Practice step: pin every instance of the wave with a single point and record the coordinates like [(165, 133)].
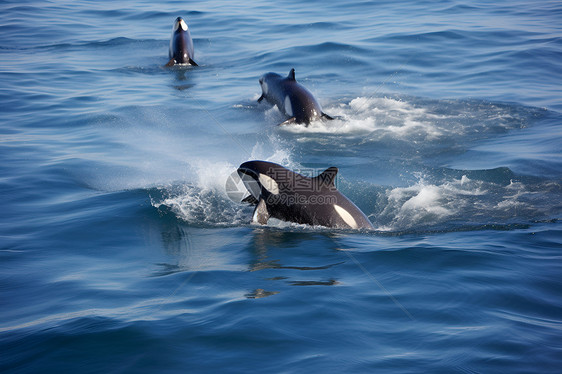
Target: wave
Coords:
[(465, 202), (452, 204), (185, 167), (208, 199), (114, 42), (417, 119)]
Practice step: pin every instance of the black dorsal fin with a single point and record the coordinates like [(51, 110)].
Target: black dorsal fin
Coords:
[(327, 177), (291, 75)]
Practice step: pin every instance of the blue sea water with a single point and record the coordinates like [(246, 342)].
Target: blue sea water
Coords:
[(121, 251)]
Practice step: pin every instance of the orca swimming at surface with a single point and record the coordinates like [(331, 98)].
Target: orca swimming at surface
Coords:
[(181, 45), (291, 97), (283, 194)]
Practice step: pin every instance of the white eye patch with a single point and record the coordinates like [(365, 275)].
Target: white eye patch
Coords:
[(288, 106), (181, 24), (347, 218), (269, 184)]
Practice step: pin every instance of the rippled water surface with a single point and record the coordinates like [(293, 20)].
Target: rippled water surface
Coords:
[(121, 251)]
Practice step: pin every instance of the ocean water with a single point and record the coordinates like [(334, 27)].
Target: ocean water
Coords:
[(121, 251)]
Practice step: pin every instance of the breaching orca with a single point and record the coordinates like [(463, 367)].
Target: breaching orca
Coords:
[(283, 194), (181, 45), (291, 98)]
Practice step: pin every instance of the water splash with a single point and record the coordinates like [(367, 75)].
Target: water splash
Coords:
[(416, 119), (463, 202)]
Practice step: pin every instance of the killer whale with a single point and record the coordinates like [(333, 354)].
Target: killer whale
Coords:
[(291, 97), (283, 194), (181, 45)]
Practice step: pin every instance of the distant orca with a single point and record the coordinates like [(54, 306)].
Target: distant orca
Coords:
[(283, 194), (291, 98), (181, 45)]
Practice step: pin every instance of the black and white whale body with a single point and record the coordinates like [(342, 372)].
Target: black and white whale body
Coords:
[(181, 45), (292, 98), (283, 194)]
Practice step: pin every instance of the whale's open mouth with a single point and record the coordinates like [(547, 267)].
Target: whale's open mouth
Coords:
[(251, 181)]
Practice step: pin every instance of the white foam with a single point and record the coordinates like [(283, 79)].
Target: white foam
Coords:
[(274, 115), (205, 199), (427, 204), (379, 116), (275, 149), (200, 206), (211, 174), (411, 119), (463, 200)]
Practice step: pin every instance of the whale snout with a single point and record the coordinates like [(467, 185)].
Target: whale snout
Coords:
[(180, 23), (242, 172)]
